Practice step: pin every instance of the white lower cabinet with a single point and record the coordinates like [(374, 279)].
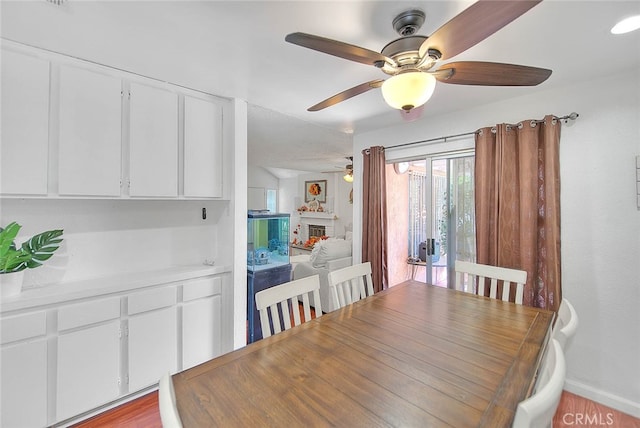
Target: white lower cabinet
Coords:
[(152, 337), (201, 321), (88, 357), (63, 361), (23, 365)]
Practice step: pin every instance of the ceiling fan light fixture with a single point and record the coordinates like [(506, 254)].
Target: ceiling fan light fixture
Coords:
[(408, 90), (348, 176), (627, 25)]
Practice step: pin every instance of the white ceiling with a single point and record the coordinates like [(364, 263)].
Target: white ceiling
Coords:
[(237, 49)]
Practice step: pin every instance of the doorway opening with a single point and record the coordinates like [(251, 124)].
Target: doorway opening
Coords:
[(436, 197)]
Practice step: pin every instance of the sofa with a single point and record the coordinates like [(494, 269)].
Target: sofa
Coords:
[(326, 257)]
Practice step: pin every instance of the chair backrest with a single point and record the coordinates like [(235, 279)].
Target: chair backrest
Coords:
[(477, 273), (167, 403), (566, 324), (350, 284), (282, 301), (539, 409)]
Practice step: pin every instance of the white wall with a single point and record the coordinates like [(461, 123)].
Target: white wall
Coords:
[(600, 220), (260, 177), (287, 193), (337, 198), (106, 237), (258, 181), (234, 232)]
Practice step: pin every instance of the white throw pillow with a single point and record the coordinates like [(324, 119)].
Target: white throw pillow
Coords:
[(315, 251), (329, 249)]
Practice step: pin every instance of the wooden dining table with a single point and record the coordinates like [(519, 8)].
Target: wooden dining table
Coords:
[(414, 355)]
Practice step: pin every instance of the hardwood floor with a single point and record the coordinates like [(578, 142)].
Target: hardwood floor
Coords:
[(574, 411), (139, 413)]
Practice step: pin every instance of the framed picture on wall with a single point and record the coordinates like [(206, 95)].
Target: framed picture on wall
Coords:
[(316, 189)]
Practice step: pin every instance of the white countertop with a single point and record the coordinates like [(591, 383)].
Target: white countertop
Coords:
[(68, 292)]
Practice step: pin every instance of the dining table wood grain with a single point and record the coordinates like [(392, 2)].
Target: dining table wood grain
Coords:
[(414, 355)]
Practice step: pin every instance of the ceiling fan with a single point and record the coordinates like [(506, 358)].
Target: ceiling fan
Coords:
[(347, 170), (410, 59)]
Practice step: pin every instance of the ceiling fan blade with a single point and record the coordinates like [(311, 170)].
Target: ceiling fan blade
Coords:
[(345, 95), (491, 74), (339, 49), (473, 25)]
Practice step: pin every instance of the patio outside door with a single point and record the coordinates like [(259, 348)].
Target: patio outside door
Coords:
[(441, 216)]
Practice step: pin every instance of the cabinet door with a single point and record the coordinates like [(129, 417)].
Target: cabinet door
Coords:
[(88, 369), (202, 148), (90, 133), (153, 347), (24, 385), (23, 370), (88, 363), (25, 124), (201, 321), (201, 327), (153, 161)]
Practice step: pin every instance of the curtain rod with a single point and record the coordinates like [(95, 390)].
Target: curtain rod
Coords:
[(571, 116)]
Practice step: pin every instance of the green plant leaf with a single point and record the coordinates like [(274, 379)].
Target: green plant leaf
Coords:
[(15, 261), (31, 254), (41, 247), (7, 236), (11, 259)]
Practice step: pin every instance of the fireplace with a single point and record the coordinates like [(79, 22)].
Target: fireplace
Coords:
[(317, 230), (316, 224)]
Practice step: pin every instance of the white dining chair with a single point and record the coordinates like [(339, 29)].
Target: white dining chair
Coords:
[(350, 284), (477, 273), (283, 300), (538, 410), (167, 403), (566, 324)]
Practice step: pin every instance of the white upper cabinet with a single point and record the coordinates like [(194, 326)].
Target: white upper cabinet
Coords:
[(202, 148), (153, 142), (25, 124), (76, 129), (90, 133)]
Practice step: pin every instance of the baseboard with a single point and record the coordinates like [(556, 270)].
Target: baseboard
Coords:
[(101, 409), (610, 400)]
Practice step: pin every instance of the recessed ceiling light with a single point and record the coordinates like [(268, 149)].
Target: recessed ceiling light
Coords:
[(627, 25)]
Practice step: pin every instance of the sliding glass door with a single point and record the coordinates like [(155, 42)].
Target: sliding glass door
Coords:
[(441, 216)]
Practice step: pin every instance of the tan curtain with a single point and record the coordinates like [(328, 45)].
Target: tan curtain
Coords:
[(374, 216), (517, 177)]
